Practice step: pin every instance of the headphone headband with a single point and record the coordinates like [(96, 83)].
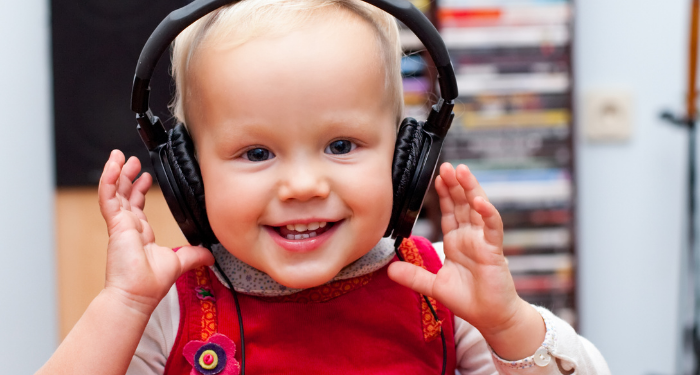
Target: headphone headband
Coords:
[(416, 153), (180, 19)]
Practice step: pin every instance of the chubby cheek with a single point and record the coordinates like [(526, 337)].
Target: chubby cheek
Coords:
[(370, 199), (234, 205), (373, 202)]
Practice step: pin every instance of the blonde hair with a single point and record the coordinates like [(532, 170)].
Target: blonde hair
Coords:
[(238, 23)]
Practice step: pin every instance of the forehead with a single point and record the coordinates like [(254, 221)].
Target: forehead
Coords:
[(330, 66)]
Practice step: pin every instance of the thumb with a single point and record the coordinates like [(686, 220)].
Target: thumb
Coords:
[(413, 277), (192, 257)]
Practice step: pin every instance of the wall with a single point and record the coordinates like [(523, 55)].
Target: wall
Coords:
[(81, 244), (631, 195), (28, 313)]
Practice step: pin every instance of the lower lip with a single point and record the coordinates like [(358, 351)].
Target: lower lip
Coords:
[(303, 245)]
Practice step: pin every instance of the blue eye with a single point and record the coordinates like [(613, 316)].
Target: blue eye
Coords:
[(341, 146), (258, 154)]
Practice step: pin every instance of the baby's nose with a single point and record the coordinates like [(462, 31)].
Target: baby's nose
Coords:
[(304, 182)]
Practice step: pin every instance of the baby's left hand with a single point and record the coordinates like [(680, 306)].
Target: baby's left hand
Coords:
[(474, 283)]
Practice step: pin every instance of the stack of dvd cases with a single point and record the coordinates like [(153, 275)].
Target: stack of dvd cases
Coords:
[(417, 81), (513, 128)]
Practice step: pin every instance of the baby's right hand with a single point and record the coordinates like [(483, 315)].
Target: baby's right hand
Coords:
[(139, 272)]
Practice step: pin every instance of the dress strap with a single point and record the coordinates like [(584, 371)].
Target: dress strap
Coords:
[(414, 250), (198, 316), (207, 302)]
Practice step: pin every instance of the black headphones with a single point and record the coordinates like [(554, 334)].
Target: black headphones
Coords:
[(416, 154)]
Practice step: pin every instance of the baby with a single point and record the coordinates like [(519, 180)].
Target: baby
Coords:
[(293, 107)]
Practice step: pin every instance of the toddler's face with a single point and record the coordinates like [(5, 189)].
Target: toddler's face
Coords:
[(295, 137)]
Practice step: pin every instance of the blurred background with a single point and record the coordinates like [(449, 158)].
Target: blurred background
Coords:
[(558, 117)]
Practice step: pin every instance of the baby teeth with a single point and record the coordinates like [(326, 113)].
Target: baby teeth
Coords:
[(306, 227), (301, 236)]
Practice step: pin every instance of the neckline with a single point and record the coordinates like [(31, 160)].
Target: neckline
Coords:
[(249, 280)]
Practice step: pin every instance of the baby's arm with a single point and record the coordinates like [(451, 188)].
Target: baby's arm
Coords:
[(475, 282), (139, 274)]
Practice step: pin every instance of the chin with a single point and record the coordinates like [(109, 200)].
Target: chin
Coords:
[(304, 279)]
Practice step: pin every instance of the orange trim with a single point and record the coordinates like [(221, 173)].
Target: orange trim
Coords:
[(327, 292), (208, 307), (431, 327)]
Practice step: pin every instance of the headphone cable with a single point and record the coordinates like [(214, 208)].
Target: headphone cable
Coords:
[(238, 312), (397, 244)]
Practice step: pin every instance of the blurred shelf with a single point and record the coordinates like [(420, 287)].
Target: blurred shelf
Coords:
[(514, 126)]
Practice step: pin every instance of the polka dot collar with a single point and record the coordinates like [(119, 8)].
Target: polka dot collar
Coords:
[(249, 280)]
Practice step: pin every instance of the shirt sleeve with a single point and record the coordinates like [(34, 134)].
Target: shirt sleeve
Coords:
[(472, 352), (158, 339), (562, 352)]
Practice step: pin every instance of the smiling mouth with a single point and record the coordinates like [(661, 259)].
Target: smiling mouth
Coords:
[(303, 231)]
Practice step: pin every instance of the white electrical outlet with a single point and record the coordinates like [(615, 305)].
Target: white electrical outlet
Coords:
[(607, 115)]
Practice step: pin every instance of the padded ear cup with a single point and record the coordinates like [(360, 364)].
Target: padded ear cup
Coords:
[(181, 156), (409, 142)]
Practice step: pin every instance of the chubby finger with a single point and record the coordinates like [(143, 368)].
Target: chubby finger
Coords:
[(468, 181), (449, 177), (115, 158), (107, 190), (138, 194), (493, 224), (192, 257), (472, 189), (447, 206), (130, 170), (412, 277), (462, 211)]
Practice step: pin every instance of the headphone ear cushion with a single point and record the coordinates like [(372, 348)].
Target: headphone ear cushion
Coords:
[(409, 142), (181, 155)]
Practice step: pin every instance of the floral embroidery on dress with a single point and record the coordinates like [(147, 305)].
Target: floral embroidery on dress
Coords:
[(204, 293), (215, 356)]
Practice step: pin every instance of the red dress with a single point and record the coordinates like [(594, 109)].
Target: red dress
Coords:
[(364, 325)]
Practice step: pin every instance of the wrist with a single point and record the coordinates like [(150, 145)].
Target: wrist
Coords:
[(519, 336), (104, 339), (128, 303)]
